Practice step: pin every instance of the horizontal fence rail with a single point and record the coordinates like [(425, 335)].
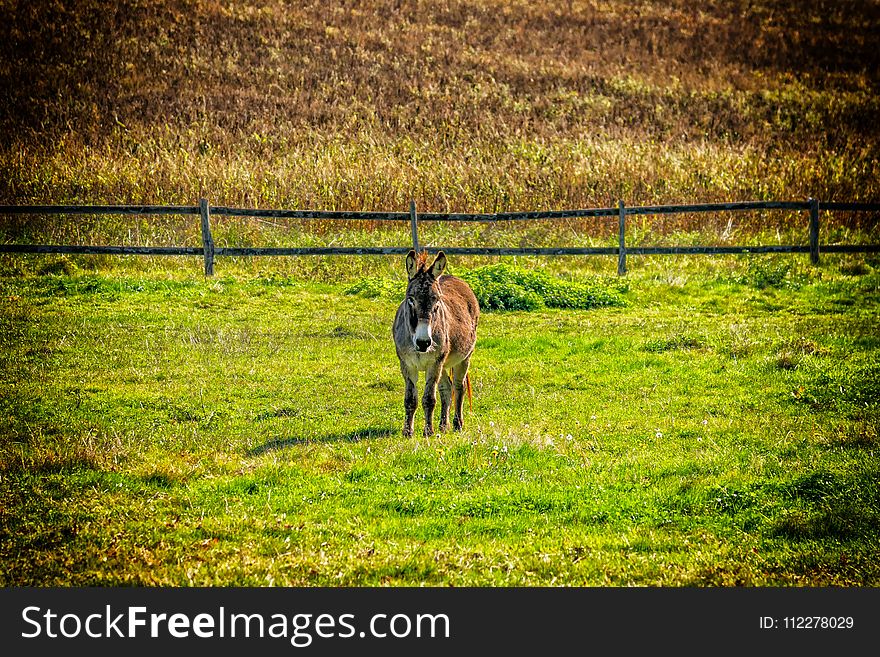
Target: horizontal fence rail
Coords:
[(209, 250)]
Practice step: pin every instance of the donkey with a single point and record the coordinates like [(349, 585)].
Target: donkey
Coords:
[(435, 331)]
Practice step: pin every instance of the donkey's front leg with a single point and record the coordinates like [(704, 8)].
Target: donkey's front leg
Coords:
[(410, 399), (429, 399)]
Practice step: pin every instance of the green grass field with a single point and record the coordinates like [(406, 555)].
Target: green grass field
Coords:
[(159, 428)]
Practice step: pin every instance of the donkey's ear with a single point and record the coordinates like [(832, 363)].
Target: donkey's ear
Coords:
[(411, 267), (438, 265)]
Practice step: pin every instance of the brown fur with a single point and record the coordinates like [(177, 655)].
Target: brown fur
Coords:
[(467, 380), (435, 331), (467, 383)]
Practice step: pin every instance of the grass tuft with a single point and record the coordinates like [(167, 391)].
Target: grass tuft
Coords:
[(505, 287)]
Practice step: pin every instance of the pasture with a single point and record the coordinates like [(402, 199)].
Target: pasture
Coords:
[(160, 428)]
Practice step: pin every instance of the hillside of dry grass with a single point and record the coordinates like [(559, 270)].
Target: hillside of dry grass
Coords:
[(478, 105)]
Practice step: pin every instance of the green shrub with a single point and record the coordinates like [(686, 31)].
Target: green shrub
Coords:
[(376, 286), (500, 296), (504, 287)]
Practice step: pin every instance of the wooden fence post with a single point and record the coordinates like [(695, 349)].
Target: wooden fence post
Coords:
[(621, 252), (207, 240), (814, 231), (415, 231)]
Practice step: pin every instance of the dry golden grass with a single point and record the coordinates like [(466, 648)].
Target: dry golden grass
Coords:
[(481, 105)]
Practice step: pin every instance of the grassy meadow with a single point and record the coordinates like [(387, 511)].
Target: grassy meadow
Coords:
[(718, 429), (717, 425)]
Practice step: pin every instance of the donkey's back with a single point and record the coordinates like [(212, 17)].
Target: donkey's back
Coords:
[(463, 313)]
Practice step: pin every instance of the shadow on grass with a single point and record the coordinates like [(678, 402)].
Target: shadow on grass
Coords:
[(355, 436)]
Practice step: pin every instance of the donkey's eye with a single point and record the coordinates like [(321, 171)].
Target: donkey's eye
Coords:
[(411, 302)]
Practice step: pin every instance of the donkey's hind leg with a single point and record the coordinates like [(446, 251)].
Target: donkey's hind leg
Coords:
[(458, 378), (445, 389)]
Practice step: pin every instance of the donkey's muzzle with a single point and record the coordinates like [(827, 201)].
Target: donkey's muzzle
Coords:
[(423, 345)]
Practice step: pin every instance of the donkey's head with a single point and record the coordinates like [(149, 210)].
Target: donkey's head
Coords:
[(423, 296)]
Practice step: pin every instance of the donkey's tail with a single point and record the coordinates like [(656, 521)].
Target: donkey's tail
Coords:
[(467, 383)]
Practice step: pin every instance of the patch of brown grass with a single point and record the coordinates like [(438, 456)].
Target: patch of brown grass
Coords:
[(480, 105)]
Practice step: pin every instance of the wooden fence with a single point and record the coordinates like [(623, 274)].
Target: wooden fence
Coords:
[(209, 251)]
